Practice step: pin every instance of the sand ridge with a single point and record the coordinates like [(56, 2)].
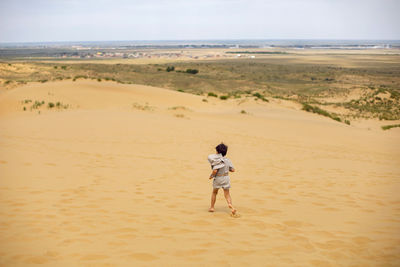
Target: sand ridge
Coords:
[(108, 181)]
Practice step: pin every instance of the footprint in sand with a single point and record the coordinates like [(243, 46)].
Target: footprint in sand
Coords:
[(235, 215)]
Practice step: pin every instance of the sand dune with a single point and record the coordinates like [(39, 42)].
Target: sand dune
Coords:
[(120, 177)]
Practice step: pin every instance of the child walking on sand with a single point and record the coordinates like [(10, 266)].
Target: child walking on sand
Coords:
[(221, 167)]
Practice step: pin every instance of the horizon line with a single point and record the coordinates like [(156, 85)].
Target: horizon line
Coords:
[(180, 40)]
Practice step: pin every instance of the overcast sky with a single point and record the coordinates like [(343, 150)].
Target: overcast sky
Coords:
[(102, 20)]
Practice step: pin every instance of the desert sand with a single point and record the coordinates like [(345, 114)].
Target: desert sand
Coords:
[(120, 178)]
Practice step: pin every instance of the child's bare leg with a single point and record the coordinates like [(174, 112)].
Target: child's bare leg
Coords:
[(213, 199), (229, 200)]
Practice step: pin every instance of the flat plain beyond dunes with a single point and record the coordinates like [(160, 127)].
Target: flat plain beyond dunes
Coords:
[(99, 174)]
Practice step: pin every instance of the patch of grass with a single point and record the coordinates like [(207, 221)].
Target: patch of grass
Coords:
[(192, 71), (145, 107), (260, 96), (347, 122), (212, 94), (387, 127), (224, 97), (317, 110), (371, 105), (180, 90), (50, 105), (80, 77), (43, 81), (280, 97), (60, 105), (37, 104), (178, 108)]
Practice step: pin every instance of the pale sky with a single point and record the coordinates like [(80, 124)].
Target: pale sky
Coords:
[(103, 20)]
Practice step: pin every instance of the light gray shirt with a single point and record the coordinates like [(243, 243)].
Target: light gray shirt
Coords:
[(220, 163)]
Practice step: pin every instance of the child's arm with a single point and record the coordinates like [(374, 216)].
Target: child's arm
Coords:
[(214, 172), (231, 168)]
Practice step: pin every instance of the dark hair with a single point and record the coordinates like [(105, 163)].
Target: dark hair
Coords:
[(222, 148)]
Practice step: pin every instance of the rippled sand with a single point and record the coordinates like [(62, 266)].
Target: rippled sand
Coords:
[(120, 178)]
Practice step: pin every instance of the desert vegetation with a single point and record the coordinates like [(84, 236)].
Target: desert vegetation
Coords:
[(324, 87), (317, 110), (38, 104), (143, 107), (387, 127)]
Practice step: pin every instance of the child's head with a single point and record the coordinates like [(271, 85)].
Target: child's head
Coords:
[(222, 149)]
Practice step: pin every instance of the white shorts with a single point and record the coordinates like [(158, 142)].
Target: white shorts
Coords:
[(222, 182)]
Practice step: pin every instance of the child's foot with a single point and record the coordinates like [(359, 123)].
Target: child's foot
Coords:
[(211, 210), (233, 210)]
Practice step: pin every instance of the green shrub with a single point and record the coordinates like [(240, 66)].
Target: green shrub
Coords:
[(387, 127), (243, 111), (64, 67), (80, 77), (170, 68), (37, 104), (192, 71), (212, 94), (223, 97), (260, 96), (347, 122), (204, 100), (50, 105), (98, 79)]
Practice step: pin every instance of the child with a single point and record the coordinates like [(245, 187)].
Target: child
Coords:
[(221, 167)]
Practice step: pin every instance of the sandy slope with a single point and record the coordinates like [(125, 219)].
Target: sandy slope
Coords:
[(121, 178)]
